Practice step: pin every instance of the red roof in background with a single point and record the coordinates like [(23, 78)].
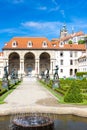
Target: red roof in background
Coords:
[(69, 36), (73, 47), (1, 53), (37, 44)]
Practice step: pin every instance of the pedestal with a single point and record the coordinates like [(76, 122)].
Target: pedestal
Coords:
[(56, 83)]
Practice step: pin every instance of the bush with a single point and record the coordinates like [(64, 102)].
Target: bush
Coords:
[(84, 96), (60, 91), (80, 74), (73, 95)]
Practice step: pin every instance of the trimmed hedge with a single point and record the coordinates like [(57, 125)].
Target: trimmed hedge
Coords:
[(80, 74), (73, 95), (84, 96), (60, 91)]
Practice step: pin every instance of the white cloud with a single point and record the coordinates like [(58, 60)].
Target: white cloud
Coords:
[(41, 25), (8, 30), (79, 23), (54, 9), (54, 1), (63, 13), (42, 8), (15, 1), (46, 29)]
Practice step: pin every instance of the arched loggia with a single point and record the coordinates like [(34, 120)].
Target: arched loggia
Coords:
[(14, 62), (29, 63), (44, 62)]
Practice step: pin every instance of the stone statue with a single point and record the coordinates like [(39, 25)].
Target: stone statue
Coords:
[(5, 72), (56, 72), (13, 74), (42, 74), (47, 73)]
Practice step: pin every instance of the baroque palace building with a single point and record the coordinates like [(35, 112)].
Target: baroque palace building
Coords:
[(36, 54)]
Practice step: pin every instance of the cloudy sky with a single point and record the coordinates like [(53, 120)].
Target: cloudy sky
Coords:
[(40, 18)]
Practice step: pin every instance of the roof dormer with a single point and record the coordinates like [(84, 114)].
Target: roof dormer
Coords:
[(14, 44), (44, 44), (61, 44), (29, 44)]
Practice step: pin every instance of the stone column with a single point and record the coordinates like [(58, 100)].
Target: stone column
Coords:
[(22, 66), (52, 65), (37, 66)]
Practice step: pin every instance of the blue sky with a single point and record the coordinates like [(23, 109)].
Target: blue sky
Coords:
[(40, 18)]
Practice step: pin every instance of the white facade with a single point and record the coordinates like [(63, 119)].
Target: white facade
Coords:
[(1, 65), (68, 62), (82, 63)]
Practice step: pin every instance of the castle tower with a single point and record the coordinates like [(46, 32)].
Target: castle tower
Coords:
[(63, 31)]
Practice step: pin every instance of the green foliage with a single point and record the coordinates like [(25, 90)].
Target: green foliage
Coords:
[(59, 90), (81, 73), (82, 83), (70, 42), (81, 42), (73, 94), (84, 96)]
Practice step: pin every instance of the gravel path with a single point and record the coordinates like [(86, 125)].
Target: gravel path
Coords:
[(30, 96)]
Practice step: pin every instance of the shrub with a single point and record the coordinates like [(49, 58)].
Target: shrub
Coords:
[(80, 74), (60, 91), (73, 94)]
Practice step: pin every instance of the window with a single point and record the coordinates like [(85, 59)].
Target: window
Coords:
[(71, 62), (44, 44), (71, 71), (74, 39), (29, 44), (71, 54), (61, 62), (14, 44), (75, 53), (61, 53), (61, 70), (61, 44)]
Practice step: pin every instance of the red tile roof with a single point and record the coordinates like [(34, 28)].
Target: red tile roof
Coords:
[(37, 44), (73, 47), (69, 36), (1, 53), (22, 43)]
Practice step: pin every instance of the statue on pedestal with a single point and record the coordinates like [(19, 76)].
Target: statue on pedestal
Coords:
[(56, 76), (5, 81), (56, 83), (5, 73), (14, 74), (47, 73)]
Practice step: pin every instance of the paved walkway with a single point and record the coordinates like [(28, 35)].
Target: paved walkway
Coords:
[(30, 96)]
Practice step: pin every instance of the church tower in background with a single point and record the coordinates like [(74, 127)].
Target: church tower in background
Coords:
[(63, 31)]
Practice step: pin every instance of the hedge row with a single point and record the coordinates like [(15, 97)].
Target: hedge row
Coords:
[(3, 90), (73, 95), (78, 74)]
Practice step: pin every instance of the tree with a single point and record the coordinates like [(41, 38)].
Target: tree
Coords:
[(73, 95), (81, 42), (70, 42)]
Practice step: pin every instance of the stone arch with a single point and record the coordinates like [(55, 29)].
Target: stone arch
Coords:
[(29, 63), (44, 61), (14, 61)]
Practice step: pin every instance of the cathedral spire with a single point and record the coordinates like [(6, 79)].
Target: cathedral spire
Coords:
[(63, 31)]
